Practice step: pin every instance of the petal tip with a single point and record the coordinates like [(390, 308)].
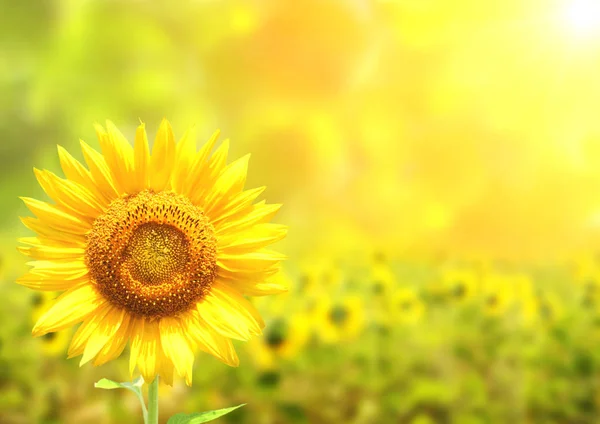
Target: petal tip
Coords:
[(99, 128), (36, 331)]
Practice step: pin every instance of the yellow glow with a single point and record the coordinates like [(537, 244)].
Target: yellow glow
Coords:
[(583, 17)]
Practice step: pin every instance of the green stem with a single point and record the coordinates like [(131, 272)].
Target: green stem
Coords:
[(153, 402), (144, 411)]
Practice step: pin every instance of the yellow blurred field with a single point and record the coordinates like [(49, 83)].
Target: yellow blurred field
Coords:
[(439, 167)]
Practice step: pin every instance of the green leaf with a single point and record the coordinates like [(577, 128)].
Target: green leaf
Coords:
[(201, 417), (107, 384), (135, 387)]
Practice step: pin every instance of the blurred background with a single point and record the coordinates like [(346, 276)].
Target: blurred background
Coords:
[(439, 166)]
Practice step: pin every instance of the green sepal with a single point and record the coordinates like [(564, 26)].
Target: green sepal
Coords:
[(135, 386), (201, 417)]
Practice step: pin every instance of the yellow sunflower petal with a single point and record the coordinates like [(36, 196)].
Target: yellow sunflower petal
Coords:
[(250, 276), (67, 270), (163, 157), (255, 238), (150, 351), (229, 183), (165, 369), (69, 194), (176, 347), (46, 231), (137, 333), (56, 217), (236, 207), (260, 213), (86, 329), (185, 152), (229, 313), (141, 152), (45, 242), (217, 161), (118, 154), (76, 172), (208, 339), (205, 150), (205, 181), (198, 167), (44, 251), (249, 261), (53, 283), (72, 307), (117, 343), (261, 288), (102, 334), (99, 170)]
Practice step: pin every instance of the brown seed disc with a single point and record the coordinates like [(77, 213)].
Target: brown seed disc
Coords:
[(153, 254)]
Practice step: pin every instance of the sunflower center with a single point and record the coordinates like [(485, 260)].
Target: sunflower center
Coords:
[(338, 315), (459, 290), (493, 301), (153, 254), (406, 305), (275, 338)]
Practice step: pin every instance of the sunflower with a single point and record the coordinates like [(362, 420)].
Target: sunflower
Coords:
[(497, 294), (382, 279), (550, 307), (340, 320), (525, 299), (460, 284), (284, 338), (155, 249), (406, 306), (317, 275)]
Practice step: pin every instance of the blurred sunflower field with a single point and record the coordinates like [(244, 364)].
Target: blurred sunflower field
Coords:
[(439, 166)]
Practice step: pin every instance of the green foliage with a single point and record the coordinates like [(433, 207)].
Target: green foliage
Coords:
[(201, 417), (135, 387)]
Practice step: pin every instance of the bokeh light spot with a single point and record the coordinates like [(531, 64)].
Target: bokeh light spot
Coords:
[(582, 17)]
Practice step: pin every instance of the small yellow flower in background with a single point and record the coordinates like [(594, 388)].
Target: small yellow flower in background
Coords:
[(460, 284), (309, 279), (51, 344), (339, 320), (55, 344), (584, 267), (590, 293), (529, 311), (525, 298), (586, 279), (319, 275), (540, 308), (522, 285), (550, 307), (284, 337), (40, 303), (154, 248), (497, 294), (406, 306), (382, 278)]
